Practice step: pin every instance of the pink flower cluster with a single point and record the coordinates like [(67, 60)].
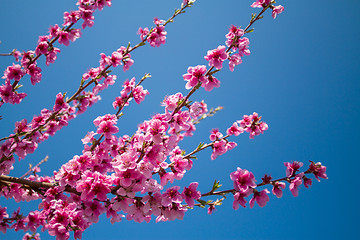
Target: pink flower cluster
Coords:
[(123, 176), (220, 144), (128, 92), (197, 75), (244, 183), (200, 75), (50, 121), (236, 41), (35, 131), (156, 36), (64, 35), (250, 124), (264, 3)]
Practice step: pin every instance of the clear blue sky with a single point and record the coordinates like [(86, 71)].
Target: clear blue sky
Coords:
[(302, 76)]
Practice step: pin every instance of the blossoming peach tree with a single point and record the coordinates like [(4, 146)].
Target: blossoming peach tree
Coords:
[(131, 176)]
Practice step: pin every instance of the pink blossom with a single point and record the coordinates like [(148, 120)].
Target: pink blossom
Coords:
[(243, 46), (71, 17), (180, 164), (239, 198), (277, 10), (307, 182), (277, 189), (24, 147), (211, 208), (6, 92), (21, 126), (107, 128), (115, 217), (139, 94), (116, 58), (219, 148), (74, 34), (217, 56), (157, 36), (16, 55), (100, 4), (234, 60), (253, 125), (93, 184), (42, 48), (27, 236), (64, 38), (197, 109), (243, 180), (59, 102), (260, 197), (152, 186), (59, 231), (125, 161), (261, 3), (194, 75), (121, 101), (181, 121), (318, 170), (27, 57), (51, 56), (34, 220), (171, 195), (295, 183), (211, 83), (292, 168), (128, 86), (35, 73), (128, 177), (171, 101), (87, 16), (54, 31), (93, 210), (166, 177), (157, 130), (143, 33), (14, 72), (234, 130), (233, 37), (215, 134)]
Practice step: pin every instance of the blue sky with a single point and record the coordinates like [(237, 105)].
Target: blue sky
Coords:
[(302, 76)]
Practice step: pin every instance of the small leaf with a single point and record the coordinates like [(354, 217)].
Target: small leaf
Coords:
[(200, 145), (18, 86), (216, 186), (202, 202), (253, 15), (250, 30)]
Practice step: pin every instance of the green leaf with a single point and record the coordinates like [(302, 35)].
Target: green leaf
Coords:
[(250, 30), (18, 86), (200, 145), (216, 186), (253, 15), (202, 202)]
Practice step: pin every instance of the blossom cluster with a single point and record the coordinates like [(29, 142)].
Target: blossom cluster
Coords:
[(245, 183), (155, 36), (268, 3), (238, 46), (45, 46), (131, 177)]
